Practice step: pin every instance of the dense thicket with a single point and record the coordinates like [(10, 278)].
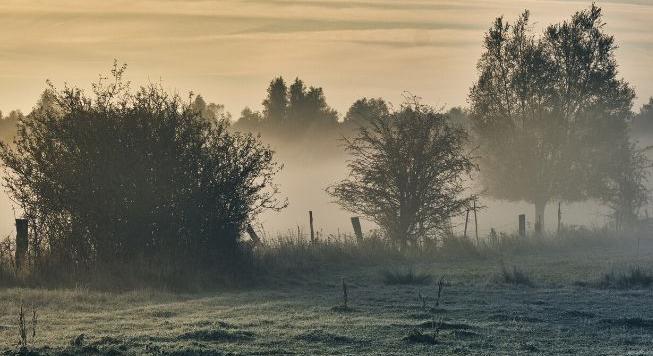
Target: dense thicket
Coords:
[(135, 181)]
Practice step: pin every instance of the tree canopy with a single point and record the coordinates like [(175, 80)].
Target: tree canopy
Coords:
[(121, 178), (406, 172), (546, 110)]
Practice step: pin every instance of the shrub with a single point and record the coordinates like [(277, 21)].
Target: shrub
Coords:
[(135, 183)]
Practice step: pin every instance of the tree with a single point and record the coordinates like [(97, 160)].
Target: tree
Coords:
[(275, 105), (363, 110), (407, 171), (139, 179), (547, 110), (624, 191), (307, 107), (643, 121), (249, 120), (8, 125), (210, 112)]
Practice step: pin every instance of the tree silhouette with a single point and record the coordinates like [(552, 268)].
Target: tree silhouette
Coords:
[(122, 181), (406, 174), (276, 103), (643, 121), (363, 110), (547, 110)]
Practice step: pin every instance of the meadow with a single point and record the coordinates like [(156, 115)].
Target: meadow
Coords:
[(550, 296)]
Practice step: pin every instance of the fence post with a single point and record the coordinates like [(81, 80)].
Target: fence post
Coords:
[(559, 216), (522, 225), (358, 231), (310, 221), (252, 235), (476, 222), (21, 244)]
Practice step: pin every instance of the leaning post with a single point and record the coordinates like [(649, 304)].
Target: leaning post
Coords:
[(21, 244), (358, 231)]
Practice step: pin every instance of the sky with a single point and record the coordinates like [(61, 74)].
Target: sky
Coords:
[(228, 50)]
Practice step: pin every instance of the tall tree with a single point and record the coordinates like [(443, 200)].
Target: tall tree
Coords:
[(308, 106), (275, 105), (546, 110)]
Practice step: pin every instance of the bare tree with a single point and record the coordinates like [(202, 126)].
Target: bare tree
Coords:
[(407, 171)]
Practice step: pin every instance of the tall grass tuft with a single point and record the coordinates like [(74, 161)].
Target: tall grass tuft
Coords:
[(634, 277), (515, 276)]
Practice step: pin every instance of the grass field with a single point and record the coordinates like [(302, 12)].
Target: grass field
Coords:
[(564, 311)]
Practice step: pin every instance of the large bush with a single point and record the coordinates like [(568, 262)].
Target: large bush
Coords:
[(140, 179)]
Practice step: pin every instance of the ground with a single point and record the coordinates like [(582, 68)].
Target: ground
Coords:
[(302, 314)]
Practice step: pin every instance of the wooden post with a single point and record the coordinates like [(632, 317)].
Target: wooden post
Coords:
[(559, 216), (310, 221), (252, 235), (522, 225), (475, 222), (21, 244), (466, 221), (358, 231)]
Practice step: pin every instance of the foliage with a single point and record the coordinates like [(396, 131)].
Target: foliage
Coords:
[(546, 110), (124, 181), (290, 110), (406, 173), (643, 121), (363, 110), (624, 190), (8, 124)]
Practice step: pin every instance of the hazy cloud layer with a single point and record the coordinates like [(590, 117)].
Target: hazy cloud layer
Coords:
[(228, 49)]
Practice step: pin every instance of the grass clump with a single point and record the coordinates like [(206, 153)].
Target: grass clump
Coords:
[(515, 276), (417, 337), (407, 277), (634, 277)]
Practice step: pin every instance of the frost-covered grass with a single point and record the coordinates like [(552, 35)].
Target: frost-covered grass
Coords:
[(563, 312)]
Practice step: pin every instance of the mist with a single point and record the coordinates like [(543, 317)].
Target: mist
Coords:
[(326, 177)]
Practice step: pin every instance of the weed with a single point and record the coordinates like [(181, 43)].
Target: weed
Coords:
[(440, 289), (344, 307), (23, 328), (345, 295), (515, 276)]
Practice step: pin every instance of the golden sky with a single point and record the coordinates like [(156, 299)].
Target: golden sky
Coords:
[(228, 50)]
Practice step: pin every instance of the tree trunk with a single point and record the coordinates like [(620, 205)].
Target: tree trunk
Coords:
[(540, 206)]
